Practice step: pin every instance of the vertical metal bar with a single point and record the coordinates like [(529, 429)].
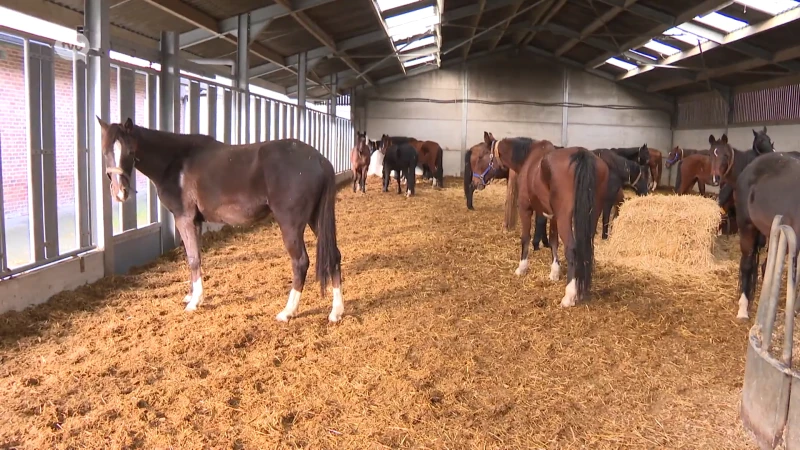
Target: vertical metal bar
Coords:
[(228, 117), (267, 119), (464, 106), (292, 122), (33, 83), (257, 118), (211, 110), (564, 111), (169, 115), (302, 73), (242, 80), (152, 123), (284, 122), (194, 107), (49, 180), (126, 95), (3, 247), (81, 174)]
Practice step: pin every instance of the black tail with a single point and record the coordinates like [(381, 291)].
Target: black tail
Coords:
[(328, 257), (678, 177), (439, 175), (583, 225), (468, 188)]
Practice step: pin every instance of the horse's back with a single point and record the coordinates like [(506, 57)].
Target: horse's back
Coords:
[(762, 187)]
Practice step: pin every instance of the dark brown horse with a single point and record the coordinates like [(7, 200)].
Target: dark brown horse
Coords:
[(429, 157), (621, 172), (567, 186), (727, 164), (401, 157), (359, 162), (199, 179), (641, 155), (469, 185), (693, 169)]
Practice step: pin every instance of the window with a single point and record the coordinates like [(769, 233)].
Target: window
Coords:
[(385, 5), (685, 36), (721, 21), (418, 61), (773, 7), (412, 23), (424, 42), (621, 64), (664, 49)]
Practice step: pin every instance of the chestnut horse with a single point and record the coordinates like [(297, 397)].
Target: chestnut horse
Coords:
[(655, 168), (469, 186), (360, 157), (765, 183), (567, 186), (678, 153), (429, 157), (199, 179), (693, 169), (481, 156)]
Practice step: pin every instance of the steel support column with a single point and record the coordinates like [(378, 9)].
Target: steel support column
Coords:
[(242, 81), (302, 72), (97, 30), (331, 144), (169, 104)]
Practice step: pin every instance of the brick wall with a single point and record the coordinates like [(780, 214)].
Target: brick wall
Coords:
[(14, 133)]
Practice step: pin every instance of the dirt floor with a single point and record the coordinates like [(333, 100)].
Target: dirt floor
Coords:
[(441, 346)]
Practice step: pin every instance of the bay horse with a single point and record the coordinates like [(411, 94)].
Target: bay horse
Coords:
[(728, 164), (566, 185), (199, 179), (360, 157), (621, 172), (402, 158), (678, 153), (655, 166), (429, 157), (480, 156), (695, 168)]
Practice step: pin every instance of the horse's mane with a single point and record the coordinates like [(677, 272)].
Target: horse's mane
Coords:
[(617, 163), (175, 141), (520, 148), (401, 139)]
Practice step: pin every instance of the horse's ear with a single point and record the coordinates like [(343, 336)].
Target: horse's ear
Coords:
[(755, 133), (486, 138), (724, 139), (764, 130), (128, 126), (711, 139), (103, 123)]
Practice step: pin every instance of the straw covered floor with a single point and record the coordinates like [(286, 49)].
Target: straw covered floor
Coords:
[(441, 346)]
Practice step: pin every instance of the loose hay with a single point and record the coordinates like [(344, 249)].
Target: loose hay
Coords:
[(672, 236), (441, 347)]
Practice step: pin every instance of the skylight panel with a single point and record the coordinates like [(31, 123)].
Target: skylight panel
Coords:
[(424, 42), (773, 7), (721, 21), (411, 16), (385, 5), (418, 61), (685, 36), (620, 63), (664, 49), (644, 55)]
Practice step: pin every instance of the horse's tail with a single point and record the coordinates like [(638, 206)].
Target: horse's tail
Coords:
[(678, 178), (328, 257), (439, 175), (583, 210), (468, 188)]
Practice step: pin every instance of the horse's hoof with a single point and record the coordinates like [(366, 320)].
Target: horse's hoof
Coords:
[(742, 319), (190, 308), (554, 275), (282, 317), (566, 302), (334, 317), (187, 299)]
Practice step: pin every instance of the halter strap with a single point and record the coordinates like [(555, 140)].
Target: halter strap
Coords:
[(730, 166), (633, 183), (115, 170)]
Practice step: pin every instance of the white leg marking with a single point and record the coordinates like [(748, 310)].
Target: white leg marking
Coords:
[(291, 307), (569, 295), (743, 308), (338, 306), (523, 267), (548, 216), (121, 194), (197, 295), (408, 193), (555, 271)]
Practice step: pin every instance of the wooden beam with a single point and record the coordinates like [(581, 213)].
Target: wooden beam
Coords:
[(701, 8), (604, 18), (475, 23), (504, 27), (553, 11), (187, 13)]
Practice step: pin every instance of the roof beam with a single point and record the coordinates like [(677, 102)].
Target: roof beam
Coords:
[(377, 11), (603, 19), (701, 8), (539, 20), (728, 39), (373, 36), (230, 24), (779, 56), (321, 36), (505, 25), (476, 21), (407, 8)]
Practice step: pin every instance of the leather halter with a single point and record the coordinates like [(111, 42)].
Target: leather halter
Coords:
[(730, 166)]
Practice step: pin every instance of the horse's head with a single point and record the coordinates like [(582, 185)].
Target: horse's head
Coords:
[(639, 178), (762, 143), (361, 137), (674, 156), (722, 156), (119, 151), (484, 165), (644, 155), (386, 141)]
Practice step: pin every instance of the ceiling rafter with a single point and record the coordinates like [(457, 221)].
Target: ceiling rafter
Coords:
[(377, 11), (514, 9), (727, 40), (544, 20), (701, 8), (476, 21), (588, 30), (322, 36)]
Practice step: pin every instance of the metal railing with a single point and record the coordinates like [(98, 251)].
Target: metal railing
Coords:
[(207, 107)]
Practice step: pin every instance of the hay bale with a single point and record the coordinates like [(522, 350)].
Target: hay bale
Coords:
[(666, 235)]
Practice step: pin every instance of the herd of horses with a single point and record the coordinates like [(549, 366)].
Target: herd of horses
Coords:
[(199, 179)]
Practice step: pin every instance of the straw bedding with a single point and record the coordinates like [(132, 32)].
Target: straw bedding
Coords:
[(441, 347)]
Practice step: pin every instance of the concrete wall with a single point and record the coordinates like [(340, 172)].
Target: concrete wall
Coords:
[(429, 106)]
